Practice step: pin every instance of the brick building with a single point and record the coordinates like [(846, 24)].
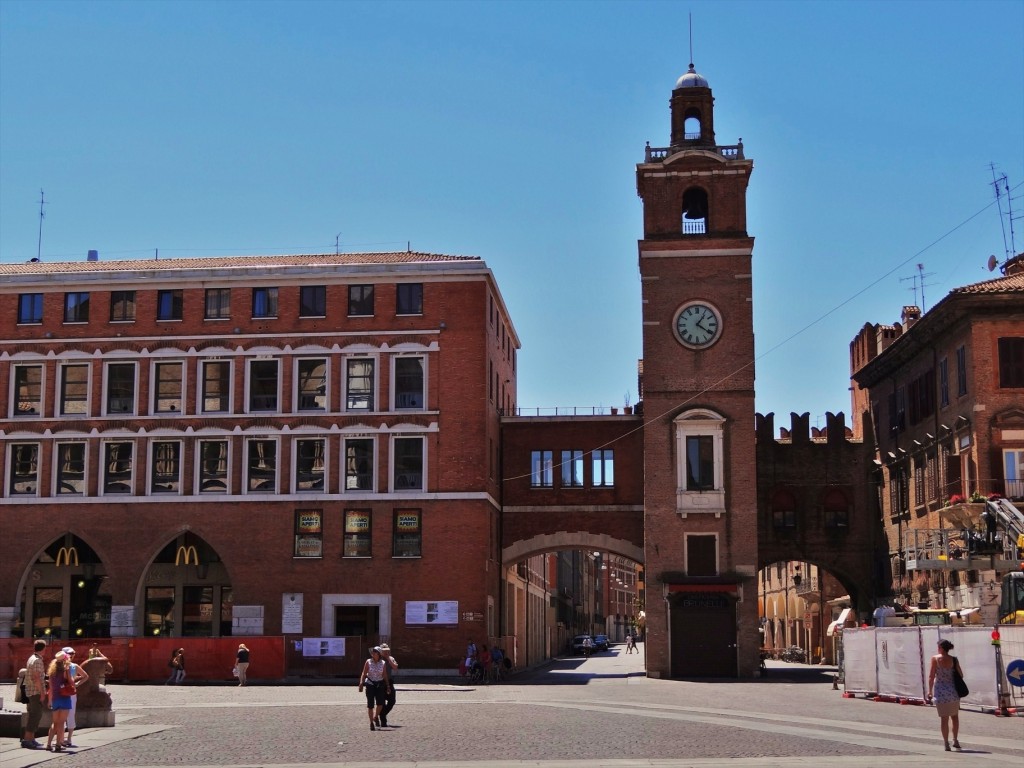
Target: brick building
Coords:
[(266, 445)]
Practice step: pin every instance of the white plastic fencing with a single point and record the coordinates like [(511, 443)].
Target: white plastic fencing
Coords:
[(895, 661)]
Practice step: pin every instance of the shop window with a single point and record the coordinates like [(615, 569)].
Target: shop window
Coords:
[(74, 390), (264, 302), (218, 304), (47, 611), (30, 308), (216, 395), (169, 304), (357, 533), (23, 479), (117, 467), (408, 464), (76, 307), (360, 301), (359, 464), (159, 611), (168, 387), (165, 469), (120, 384), (408, 533), (1011, 363), (359, 384), (409, 380), (313, 301), (309, 533), (70, 469), (572, 469), (213, 466), (541, 469), (28, 390), (310, 476), (603, 468), (263, 385), (261, 466), (122, 306), (197, 615), (312, 385), (837, 510), (409, 299)]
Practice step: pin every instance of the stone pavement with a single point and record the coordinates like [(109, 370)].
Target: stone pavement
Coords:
[(595, 713)]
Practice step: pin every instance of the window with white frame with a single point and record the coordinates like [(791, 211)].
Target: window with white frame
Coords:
[(572, 468), (165, 467), (700, 479), (261, 466), (310, 465), (359, 384), (603, 468), (358, 533), (23, 479), (216, 386), (168, 383), (213, 466), (28, 390), (409, 383), (118, 466), (311, 375), (74, 389), (70, 471), (359, 464), (263, 385), (1013, 473), (120, 386), (407, 463)]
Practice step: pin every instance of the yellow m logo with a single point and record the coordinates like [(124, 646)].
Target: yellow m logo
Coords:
[(65, 555), (186, 554)]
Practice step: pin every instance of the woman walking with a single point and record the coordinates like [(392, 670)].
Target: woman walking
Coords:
[(942, 691), (377, 682), (62, 687), (242, 663)]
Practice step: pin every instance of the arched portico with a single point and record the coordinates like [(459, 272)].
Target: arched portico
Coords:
[(552, 542)]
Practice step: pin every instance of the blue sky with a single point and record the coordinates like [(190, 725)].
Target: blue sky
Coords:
[(511, 131)]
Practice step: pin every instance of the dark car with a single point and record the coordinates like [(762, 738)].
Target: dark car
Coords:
[(577, 644), (601, 643)]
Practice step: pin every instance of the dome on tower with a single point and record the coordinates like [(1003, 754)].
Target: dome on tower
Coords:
[(692, 79)]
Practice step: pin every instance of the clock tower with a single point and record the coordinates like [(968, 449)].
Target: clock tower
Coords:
[(700, 479)]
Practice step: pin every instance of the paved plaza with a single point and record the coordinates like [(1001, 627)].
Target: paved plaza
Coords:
[(599, 712)]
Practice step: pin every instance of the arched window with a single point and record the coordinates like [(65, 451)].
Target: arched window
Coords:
[(695, 211), (837, 510), (691, 125), (783, 510)]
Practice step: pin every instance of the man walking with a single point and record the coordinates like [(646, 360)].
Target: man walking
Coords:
[(389, 700), (35, 686)]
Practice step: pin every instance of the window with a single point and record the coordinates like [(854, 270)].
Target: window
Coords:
[(74, 390), (169, 382), (961, 371), (408, 464), (70, 469), (169, 305), (313, 301), (24, 475), (218, 304), (572, 469), (261, 475), (919, 468), (701, 554), (30, 308), (837, 510), (312, 385), (408, 536), (76, 307), (28, 390), (360, 300), (921, 396), (213, 466), (359, 385), (216, 395), (603, 468), (359, 464), (1013, 473), (120, 388), (409, 299), (931, 476), (541, 469), (309, 533), (700, 479), (264, 302), (309, 465), (943, 382), (117, 467), (165, 467), (1011, 363), (409, 383), (122, 306), (263, 385), (783, 510), (357, 533)]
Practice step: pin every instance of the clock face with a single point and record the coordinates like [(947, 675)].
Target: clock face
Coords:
[(698, 325)]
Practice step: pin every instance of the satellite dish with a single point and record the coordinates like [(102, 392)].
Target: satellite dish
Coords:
[(992, 261)]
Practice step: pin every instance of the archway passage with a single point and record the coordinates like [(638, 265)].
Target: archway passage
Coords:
[(186, 591)]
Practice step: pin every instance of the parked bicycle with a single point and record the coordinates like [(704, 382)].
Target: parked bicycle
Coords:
[(794, 654)]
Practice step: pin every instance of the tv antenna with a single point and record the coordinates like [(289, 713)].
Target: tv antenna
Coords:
[(918, 280), (39, 244), (1002, 189), (691, 38)]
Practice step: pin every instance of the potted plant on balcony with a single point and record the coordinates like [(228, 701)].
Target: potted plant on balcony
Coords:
[(963, 512)]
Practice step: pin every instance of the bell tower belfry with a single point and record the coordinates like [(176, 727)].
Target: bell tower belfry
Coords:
[(700, 479)]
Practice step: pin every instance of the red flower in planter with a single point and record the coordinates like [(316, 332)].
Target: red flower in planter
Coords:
[(956, 498)]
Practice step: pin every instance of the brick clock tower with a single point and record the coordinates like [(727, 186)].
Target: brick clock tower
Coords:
[(700, 480)]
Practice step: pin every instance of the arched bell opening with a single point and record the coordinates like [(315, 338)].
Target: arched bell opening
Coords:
[(692, 125), (186, 591), (695, 211)]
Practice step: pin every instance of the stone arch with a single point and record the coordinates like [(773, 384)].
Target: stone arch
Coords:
[(549, 542)]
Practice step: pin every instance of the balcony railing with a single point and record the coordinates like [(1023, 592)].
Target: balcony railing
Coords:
[(807, 585), (570, 410), (729, 152), (948, 549)]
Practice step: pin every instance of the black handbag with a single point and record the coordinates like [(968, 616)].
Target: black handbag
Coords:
[(958, 680)]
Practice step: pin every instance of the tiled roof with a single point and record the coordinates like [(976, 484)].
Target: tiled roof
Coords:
[(228, 262), (1008, 284)]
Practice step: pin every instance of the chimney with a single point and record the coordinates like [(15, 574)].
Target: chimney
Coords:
[(93, 256), (1013, 265), (911, 315)]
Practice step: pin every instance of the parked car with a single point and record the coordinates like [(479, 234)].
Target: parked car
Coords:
[(578, 644), (601, 643)]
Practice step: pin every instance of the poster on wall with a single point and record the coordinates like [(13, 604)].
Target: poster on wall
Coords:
[(323, 646), (291, 613), (432, 612)]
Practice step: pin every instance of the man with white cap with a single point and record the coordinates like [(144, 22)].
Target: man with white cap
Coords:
[(79, 675), (389, 701)]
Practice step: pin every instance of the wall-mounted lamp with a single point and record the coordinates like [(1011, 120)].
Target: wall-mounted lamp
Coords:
[(443, 325)]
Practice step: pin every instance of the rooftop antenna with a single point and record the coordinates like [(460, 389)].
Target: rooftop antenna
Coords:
[(691, 38), (918, 280), (39, 246), (1002, 186), (336, 237)]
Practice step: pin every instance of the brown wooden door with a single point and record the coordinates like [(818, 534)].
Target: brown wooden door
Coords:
[(703, 636)]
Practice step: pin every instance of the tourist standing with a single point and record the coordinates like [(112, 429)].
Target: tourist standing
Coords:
[(61, 688), (374, 679), (78, 676), (35, 686), (942, 691)]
